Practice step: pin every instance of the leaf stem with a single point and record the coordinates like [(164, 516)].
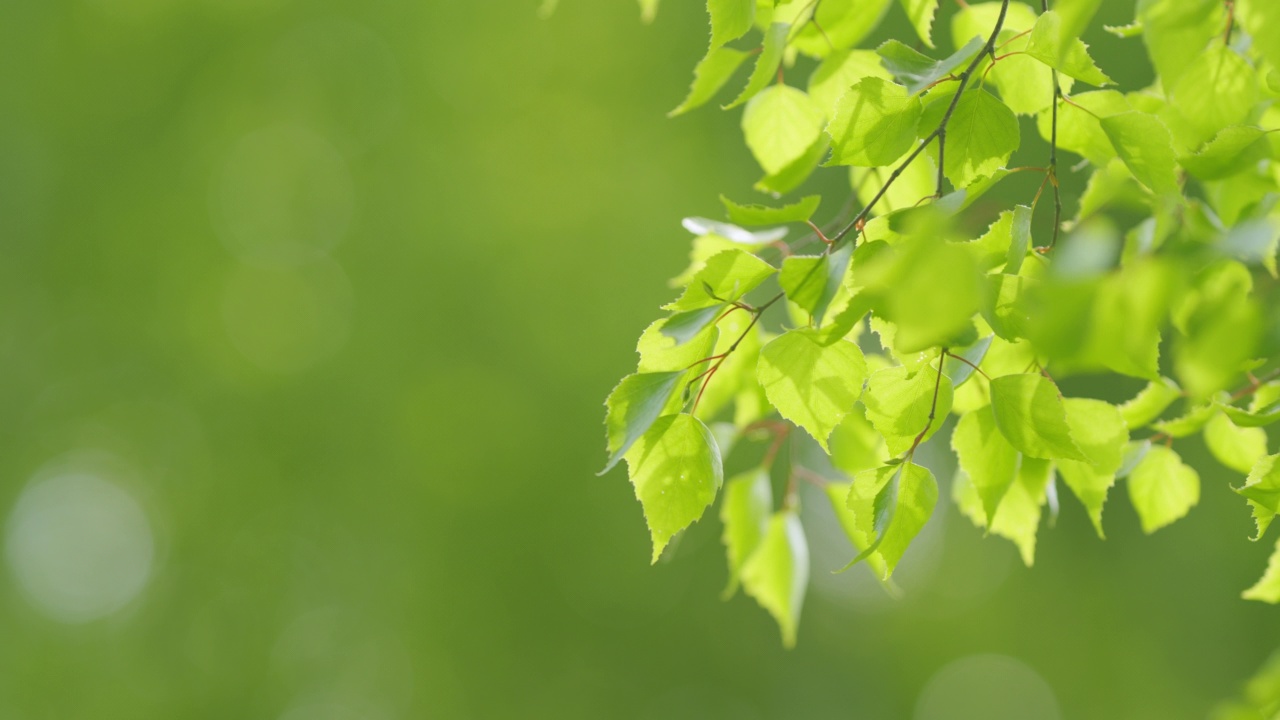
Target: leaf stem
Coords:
[(1053, 155)]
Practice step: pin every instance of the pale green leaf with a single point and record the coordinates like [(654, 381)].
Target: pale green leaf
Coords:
[(633, 407), (777, 573), (918, 72), (1162, 488), (1029, 412), (1262, 490), (920, 13), (1025, 84), (1232, 151), (1050, 45), (874, 124), (1176, 31), (709, 76), (856, 446), (1099, 430), (799, 211), (811, 384), (892, 505), (745, 511), (1267, 589), (900, 404), (986, 458), (660, 353), (1074, 18), (767, 63), (1150, 403), (1261, 19), (1018, 518), (1079, 129), (1145, 146), (780, 124), (730, 19), (1238, 448), (1189, 423), (814, 282), (838, 494), (981, 136), (726, 277), (1261, 417), (840, 71), (676, 471), (1217, 90), (843, 25)]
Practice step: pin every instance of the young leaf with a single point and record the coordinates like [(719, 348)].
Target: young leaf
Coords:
[(892, 504), (918, 72), (745, 511), (726, 277), (1267, 589), (1053, 47), (1030, 413), (1079, 127), (730, 19), (840, 71), (1025, 84), (1099, 430), (1075, 16), (874, 124), (981, 136), (660, 353), (813, 282), (1150, 403), (777, 573), (856, 446), (986, 458), (676, 471), (898, 404), (1175, 31), (1021, 244), (811, 384), (1262, 490), (1218, 89), (685, 326), (709, 76), (1261, 18), (1162, 489), (1145, 146), (1268, 415), (780, 123), (1238, 448), (1018, 518), (633, 407), (921, 13), (838, 494), (767, 63), (799, 211)]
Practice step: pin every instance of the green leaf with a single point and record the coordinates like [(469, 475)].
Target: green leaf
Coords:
[(981, 136), (1267, 589), (1150, 403), (730, 19), (1145, 146), (1021, 234), (1075, 16), (840, 71), (932, 296), (793, 175), (838, 494), (856, 446), (1268, 415), (892, 505), (1238, 448), (726, 277), (1079, 129), (659, 353), (767, 63), (676, 471), (1051, 45), (920, 13), (685, 326), (874, 124), (839, 25), (898, 404), (780, 123), (960, 371), (745, 511), (1025, 84), (1162, 489), (1217, 90), (1030, 413), (1261, 19), (1189, 423), (811, 384), (1099, 430), (633, 407), (709, 76), (918, 72), (799, 211), (1233, 151), (813, 282), (986, 458), (777, 573), (1262, 490), (1175, 31), (1019, 516)]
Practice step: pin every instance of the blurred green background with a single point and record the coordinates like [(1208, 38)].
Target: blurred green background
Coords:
[(307, 312)]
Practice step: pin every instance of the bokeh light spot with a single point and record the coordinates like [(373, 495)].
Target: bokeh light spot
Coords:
[(987, 687)]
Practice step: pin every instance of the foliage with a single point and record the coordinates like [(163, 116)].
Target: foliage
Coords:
[(891, 314)]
